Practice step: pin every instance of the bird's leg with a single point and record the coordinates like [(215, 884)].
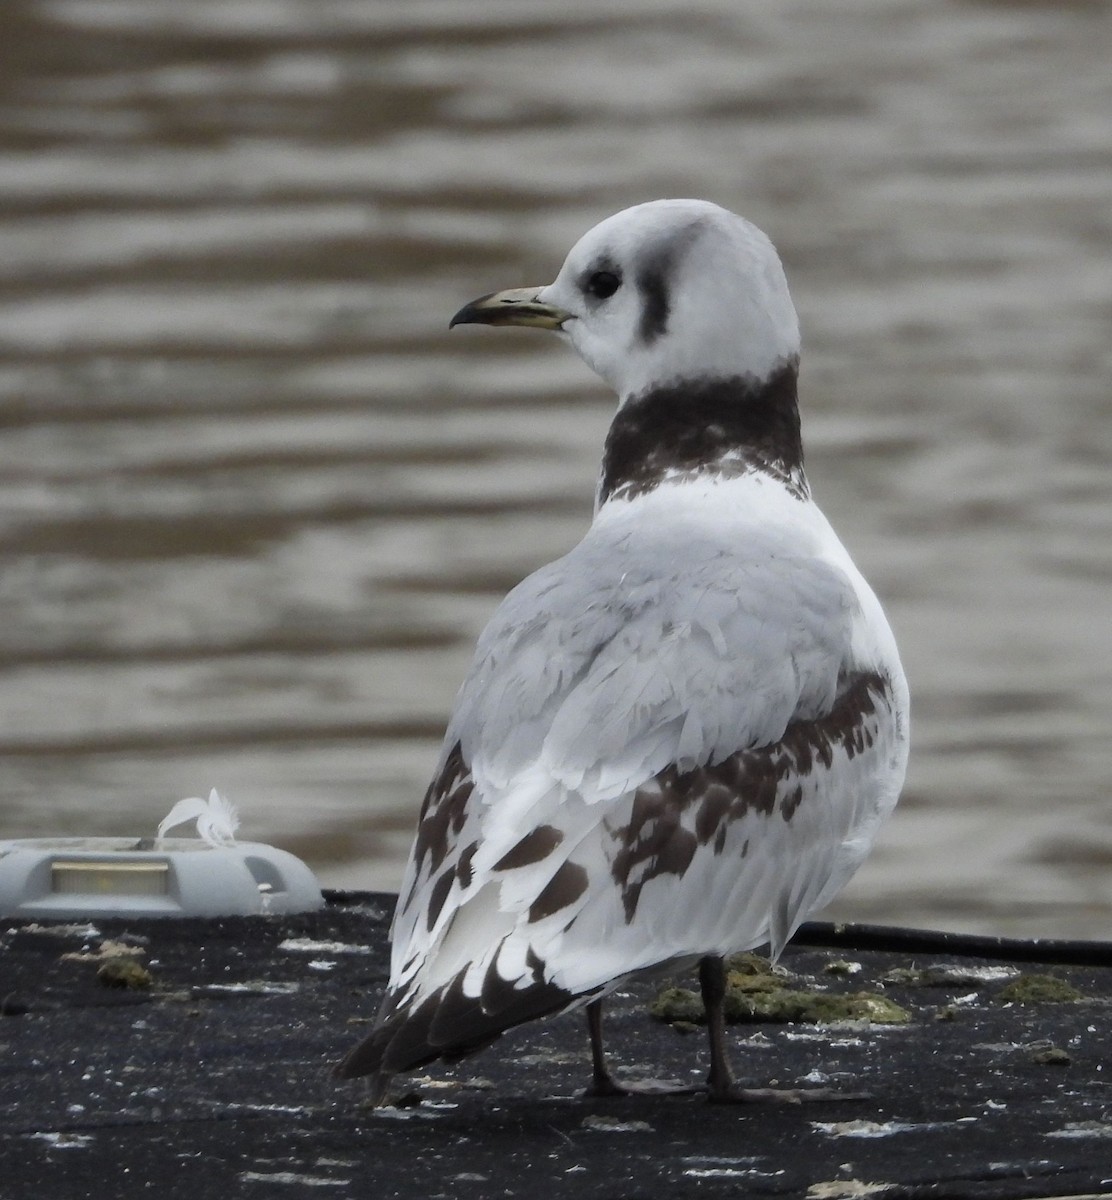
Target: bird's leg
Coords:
[(712, 983), (721, 1086), (604, 1084)]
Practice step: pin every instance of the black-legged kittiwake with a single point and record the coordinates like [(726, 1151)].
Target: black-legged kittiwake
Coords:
[(679, 740)]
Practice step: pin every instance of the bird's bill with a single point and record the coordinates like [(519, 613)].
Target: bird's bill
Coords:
[(515, 306)]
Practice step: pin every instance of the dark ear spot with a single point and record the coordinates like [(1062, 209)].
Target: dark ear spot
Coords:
[(655, 276), (655, 306)]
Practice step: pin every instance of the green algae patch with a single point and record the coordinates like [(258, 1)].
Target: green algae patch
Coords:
[(752, 985), (841, 967), (123, 973), (904, 977), (781, 1005), (750, 974), (949, 975), (678, 1006), (814, 1008), (757, 991), (755, 965), (1052, 1056), (1038, 989)]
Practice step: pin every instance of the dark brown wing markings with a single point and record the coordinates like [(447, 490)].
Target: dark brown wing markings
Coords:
[(562, 890), (443, 815), (656, 841), (536, 845), (444, 811), (451, 1023)]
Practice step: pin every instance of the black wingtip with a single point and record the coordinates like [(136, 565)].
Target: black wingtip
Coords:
[(365, 1058), (379, 1083), (449, 1024)]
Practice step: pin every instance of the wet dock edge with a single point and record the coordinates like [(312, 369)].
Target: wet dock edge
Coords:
[(210, 1077)]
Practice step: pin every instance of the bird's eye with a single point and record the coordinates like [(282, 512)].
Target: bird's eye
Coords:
[(602, 284)]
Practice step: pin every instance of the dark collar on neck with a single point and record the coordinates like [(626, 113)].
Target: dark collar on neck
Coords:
[(725, 426)]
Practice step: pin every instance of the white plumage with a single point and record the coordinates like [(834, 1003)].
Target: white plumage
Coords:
[(679, 740), (216, 817)]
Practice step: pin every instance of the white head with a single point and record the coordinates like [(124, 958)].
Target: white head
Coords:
[(661, 292)]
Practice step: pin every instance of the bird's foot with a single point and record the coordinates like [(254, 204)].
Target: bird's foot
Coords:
[(607, 1085), (733, 1093)]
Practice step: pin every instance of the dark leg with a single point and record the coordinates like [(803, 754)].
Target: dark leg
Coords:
[(604, 1084), (721, 1087), (712, 983)]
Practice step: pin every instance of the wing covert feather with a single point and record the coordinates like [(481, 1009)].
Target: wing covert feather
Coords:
[(596, 675), (605, 670)]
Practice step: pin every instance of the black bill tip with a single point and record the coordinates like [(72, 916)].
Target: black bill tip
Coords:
[(515, 306)]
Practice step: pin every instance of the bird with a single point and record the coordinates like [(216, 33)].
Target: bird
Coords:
[(680, 739)]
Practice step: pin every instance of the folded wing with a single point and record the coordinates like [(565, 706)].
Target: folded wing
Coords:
[(653, 757)]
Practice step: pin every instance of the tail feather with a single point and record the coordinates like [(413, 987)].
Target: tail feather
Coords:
[(449, 1024)]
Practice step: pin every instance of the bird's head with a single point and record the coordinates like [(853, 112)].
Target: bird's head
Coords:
[(659, 293)]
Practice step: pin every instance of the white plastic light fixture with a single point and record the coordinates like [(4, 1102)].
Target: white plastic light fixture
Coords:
[(212, 875), (69, 878)]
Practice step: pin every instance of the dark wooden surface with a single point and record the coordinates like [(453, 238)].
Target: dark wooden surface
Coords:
[(213, 1081)]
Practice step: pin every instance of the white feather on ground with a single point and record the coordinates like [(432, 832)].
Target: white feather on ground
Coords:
[(216, 817)]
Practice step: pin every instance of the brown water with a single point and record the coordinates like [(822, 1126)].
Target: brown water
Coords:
[(256, 502)]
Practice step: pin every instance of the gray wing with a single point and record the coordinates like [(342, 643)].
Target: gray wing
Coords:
[(597, 674), (663, 749), (604, 670)]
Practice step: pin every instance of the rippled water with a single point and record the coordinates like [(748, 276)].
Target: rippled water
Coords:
[(256, 502)]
